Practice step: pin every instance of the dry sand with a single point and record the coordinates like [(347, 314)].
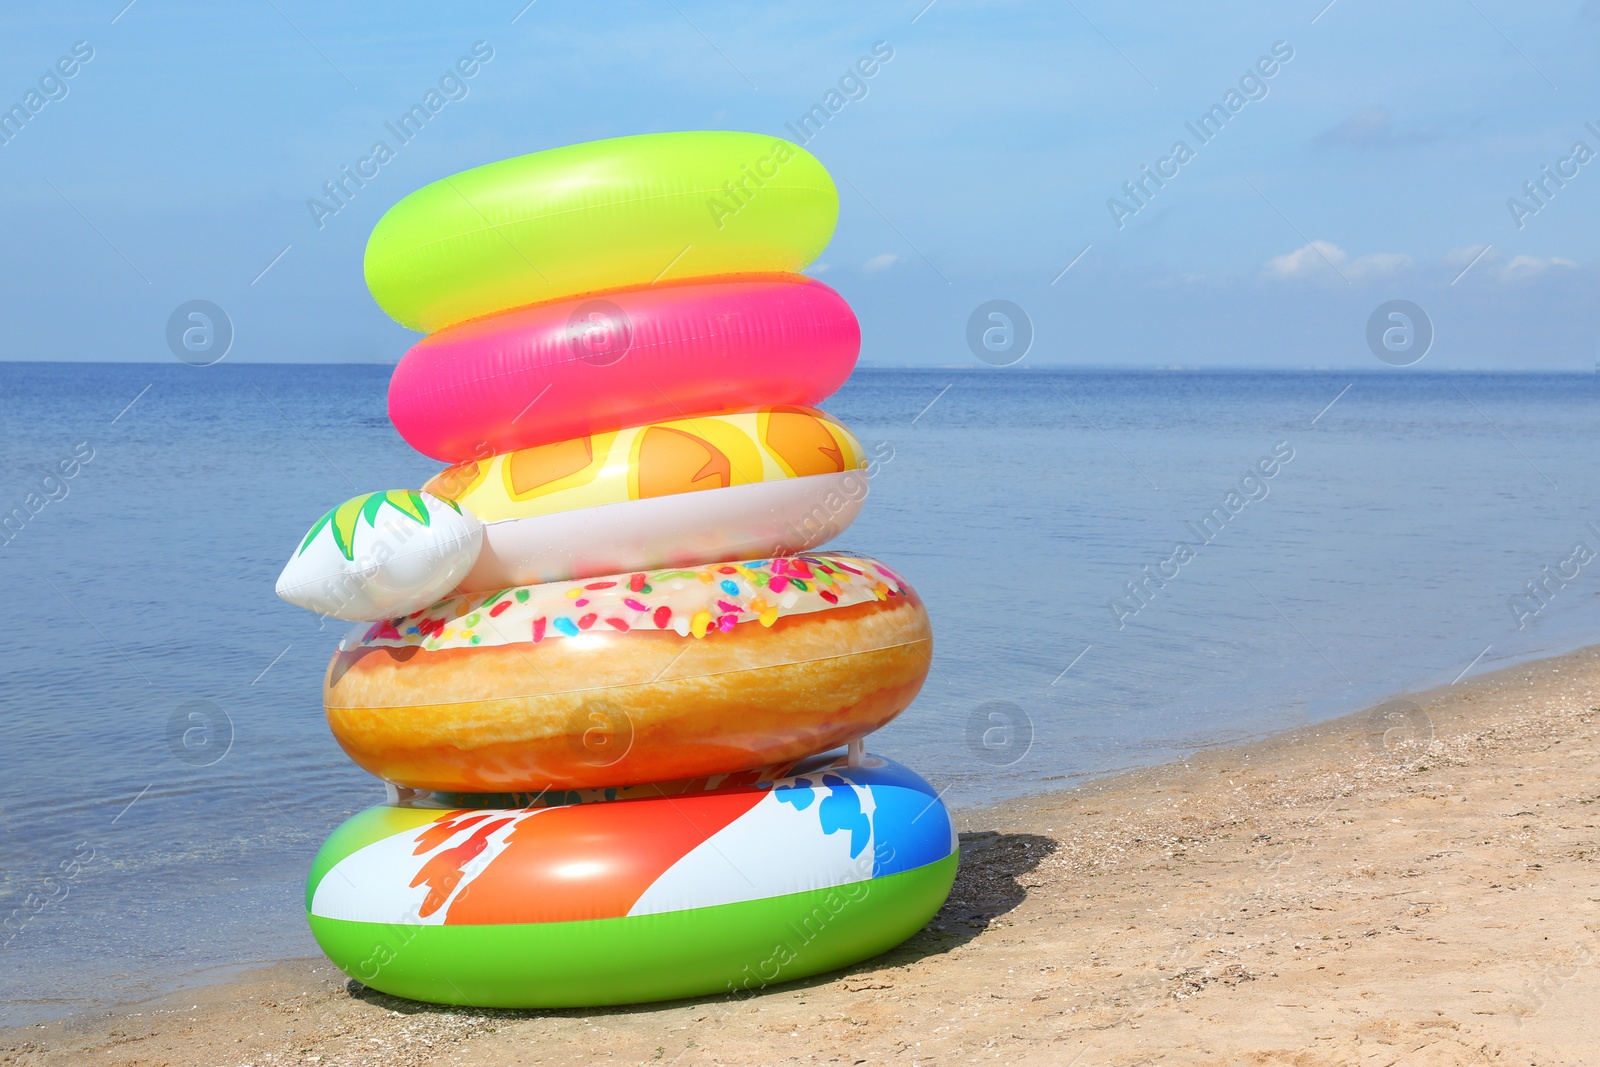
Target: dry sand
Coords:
[(1400, 888)]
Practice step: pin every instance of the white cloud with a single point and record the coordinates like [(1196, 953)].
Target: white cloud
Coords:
[(1323, 258), (1305, 261), (880, 262), (1378, 265), (1478, 259), (1460, 257), (816, 268), (1522, 267)]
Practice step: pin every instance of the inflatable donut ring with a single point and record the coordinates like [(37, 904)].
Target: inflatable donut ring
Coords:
[(579, 367), (690, 491), (643, 677), (612, 214), (719, 888)]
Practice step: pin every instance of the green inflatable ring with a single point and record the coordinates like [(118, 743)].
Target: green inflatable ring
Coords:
[(718, 885), (726, 949), (630, 211)]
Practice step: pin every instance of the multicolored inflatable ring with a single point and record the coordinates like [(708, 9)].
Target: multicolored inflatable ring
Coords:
[(646, 677), (777, 481), (723, 889), (615, 214), (654, 460), (578, 367)]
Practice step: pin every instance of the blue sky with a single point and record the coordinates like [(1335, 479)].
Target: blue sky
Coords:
[(1376, 163)]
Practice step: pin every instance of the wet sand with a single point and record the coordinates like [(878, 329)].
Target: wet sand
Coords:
[(1415, 885)]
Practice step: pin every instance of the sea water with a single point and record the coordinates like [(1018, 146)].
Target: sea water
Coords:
[(1121, 568)]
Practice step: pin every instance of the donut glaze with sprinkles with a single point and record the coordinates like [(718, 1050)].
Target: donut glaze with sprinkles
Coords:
[(697, 602)]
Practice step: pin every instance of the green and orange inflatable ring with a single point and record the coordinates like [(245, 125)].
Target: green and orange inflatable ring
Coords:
[(628, 895)]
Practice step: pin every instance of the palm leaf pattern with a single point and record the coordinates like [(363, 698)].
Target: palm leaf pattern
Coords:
[(341, 521)]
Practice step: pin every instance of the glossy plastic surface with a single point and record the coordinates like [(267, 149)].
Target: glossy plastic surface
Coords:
[(711, 886), (381, 554), (785, 517), (630, 211), (655, 460), (577, 367), (642, 677)]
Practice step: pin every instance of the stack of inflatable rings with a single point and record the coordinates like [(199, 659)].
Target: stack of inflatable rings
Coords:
[(607, 748)]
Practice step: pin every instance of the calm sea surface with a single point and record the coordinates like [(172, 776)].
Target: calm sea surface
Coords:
[(1383, 554)]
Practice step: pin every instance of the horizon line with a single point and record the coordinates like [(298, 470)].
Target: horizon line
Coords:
[(1097, 367)]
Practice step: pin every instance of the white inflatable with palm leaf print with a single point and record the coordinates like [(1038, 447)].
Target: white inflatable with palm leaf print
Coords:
[(381, 555)]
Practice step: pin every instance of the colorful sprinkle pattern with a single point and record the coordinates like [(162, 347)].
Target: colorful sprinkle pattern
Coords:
[(700, 602)]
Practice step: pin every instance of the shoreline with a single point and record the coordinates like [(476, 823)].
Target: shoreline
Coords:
[(1319, 895)]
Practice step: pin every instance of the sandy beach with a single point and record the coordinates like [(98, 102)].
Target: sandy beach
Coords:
[(1416, 884)]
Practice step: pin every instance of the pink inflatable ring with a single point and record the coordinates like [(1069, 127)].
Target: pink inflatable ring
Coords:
[(598, 363)]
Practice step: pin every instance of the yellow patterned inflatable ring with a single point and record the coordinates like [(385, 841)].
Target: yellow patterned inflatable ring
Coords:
[(776, 481), (654, 460), (630, 211)]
